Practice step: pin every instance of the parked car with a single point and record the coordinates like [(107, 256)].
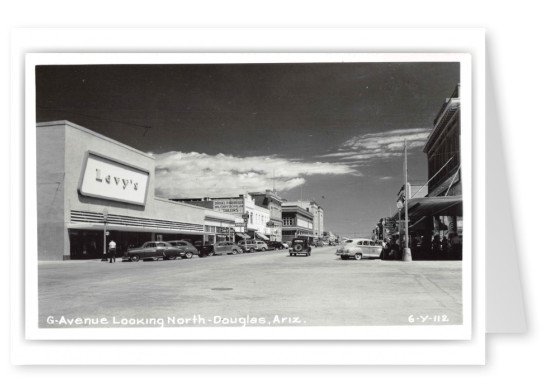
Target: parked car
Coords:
[(205, 249), (253, 245), (300, 246), (276, 245), (188, 248), (226, 248), (153, 250), (359, 248)]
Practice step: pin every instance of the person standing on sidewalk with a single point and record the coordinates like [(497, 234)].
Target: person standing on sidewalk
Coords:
[(112, 251)]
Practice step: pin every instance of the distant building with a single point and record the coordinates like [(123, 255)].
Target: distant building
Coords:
[(317, 211), (297, 221), (257, 217)]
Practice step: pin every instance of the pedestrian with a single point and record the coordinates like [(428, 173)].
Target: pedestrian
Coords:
[(397, 248), (445, 248), (386, 249), (425, 246), (456, 247), (112, 251), (436, 247)]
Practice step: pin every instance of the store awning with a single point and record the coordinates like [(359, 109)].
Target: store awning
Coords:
[(433, 206), (263, 237), (242, 235)]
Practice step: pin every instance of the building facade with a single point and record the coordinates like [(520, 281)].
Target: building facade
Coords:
[(88, 184), (317, 212), (271, 201), (297, 221), (443, 149)]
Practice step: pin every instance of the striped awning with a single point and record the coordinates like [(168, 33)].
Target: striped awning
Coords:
[(263, 237)]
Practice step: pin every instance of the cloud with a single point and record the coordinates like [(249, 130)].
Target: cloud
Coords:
[(193, 174), (381, 145)]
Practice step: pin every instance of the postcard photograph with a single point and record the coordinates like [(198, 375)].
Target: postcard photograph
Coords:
[(250, 196)]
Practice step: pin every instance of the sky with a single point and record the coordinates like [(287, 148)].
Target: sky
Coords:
[(329, 132)]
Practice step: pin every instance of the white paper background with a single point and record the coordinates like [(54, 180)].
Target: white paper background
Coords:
[(517, 38)]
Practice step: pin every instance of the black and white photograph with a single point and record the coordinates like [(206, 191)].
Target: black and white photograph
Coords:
[(247, 196)]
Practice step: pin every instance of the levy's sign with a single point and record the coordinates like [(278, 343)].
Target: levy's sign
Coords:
[(103, 177)]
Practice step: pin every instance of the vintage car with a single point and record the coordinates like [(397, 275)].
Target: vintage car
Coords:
[(275, 245), (359, 248), (188, 248), (226, 248), (253, 245), (300, 246), (153, 250)]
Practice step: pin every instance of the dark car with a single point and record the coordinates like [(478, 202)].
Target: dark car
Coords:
[(188, 248), (275, 245), (153, 250), (300, 246), (205, 249)]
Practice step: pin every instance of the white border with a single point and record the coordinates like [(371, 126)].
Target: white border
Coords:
[(393, 38)]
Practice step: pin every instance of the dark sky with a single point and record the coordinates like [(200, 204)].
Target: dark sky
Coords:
[(346, 116)]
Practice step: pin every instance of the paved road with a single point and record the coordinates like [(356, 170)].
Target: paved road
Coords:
[(320, 290)]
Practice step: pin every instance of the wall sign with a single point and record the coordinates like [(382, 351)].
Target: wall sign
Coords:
[(228, 205), (106, 178)]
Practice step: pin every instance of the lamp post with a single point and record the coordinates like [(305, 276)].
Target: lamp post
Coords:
[(407, 251), (245, 216), (399, 205), (105, 216)]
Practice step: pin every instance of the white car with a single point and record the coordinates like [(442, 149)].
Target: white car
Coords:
[(359, 248)]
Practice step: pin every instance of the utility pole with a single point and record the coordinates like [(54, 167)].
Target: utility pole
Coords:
[(407, 251), (245, 216)]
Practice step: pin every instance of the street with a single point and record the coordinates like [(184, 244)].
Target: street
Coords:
[(320, 290)]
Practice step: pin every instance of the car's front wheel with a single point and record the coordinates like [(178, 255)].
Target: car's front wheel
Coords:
[(134, 258), (234, 252), (358, 257), (188, 255), (263, 249), (344, 257)]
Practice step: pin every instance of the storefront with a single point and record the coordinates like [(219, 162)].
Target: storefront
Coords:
[(219, 227), (88, 184)]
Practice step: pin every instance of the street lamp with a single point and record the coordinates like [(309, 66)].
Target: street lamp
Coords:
[(407, 251), (399, 205), (105, 216), (245, 217)]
